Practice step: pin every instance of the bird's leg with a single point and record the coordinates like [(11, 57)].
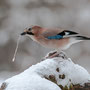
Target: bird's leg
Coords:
[(50, 54)]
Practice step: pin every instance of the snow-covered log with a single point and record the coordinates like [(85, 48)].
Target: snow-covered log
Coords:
[(50, 74)]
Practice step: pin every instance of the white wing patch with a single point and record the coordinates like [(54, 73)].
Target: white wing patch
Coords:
[(66, 33)]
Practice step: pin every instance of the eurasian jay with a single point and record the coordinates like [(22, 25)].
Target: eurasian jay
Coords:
[(58, 39)]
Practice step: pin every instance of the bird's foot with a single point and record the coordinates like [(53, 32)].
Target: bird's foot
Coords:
[(53, 54), (63, 55)]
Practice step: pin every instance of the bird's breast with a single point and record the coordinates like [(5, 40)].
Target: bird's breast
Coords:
[(33, 38), (55, 44)]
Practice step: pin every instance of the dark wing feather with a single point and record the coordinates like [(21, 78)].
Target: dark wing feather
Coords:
[(67, 32)]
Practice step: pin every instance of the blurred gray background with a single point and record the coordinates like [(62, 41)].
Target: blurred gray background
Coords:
[(16, 15)]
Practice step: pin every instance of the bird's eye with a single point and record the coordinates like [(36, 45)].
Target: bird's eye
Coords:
[(30, 29)]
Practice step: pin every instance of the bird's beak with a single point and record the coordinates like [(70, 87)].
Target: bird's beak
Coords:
[(25, 32)]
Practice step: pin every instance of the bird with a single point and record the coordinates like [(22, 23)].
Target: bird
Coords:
[(55, 38)]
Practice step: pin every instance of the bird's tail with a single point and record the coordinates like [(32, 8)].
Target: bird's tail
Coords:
[(81, 38), (76, 39)]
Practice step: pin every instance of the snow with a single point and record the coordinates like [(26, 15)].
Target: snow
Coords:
[(1, 81), (34, 78), (30, 82)]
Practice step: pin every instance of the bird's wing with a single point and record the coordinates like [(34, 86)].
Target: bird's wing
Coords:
[(57, 34)]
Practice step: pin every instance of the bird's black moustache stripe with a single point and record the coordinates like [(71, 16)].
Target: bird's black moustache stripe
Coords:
[(24, 33), (30, 33)]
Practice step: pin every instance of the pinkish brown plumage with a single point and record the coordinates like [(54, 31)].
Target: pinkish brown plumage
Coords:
[(58, 39)]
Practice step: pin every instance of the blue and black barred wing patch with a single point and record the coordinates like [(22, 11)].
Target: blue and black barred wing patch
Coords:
[(55, 37)]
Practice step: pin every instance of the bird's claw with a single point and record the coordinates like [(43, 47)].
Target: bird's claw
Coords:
[(56, 54), (63, 55)]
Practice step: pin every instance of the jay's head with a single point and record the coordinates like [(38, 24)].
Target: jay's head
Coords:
[(34, 30)]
